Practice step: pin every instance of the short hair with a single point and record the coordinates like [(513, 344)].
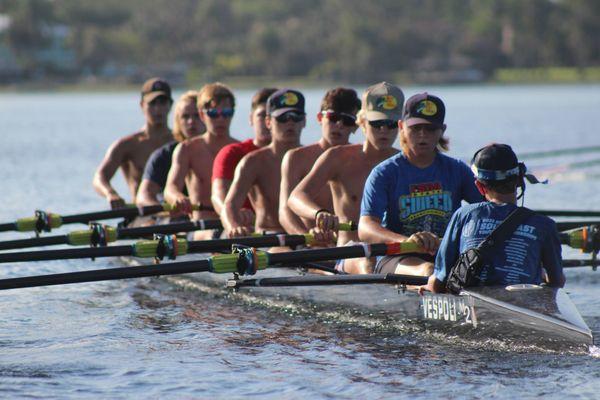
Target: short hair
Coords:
[(260, 98), (190, 96), (341, 99), (216, 92), (505, 186)]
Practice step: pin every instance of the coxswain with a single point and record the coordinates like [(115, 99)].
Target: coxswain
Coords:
[(534, 247)]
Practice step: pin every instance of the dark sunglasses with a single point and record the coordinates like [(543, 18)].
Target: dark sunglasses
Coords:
[(215, 112), (380, 123), (335, 117), (290, 116)]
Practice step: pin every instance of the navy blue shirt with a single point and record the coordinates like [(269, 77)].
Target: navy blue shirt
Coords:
[(409, 199), (534, 244), (158, 164)]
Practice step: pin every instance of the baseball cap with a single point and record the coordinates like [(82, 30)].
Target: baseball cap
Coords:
[(383, 101), (156, 87), (285, 100), (495, 162), (424, 108)]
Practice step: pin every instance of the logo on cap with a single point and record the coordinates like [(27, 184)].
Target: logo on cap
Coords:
[(427, 107), (387, 102), (288, 99)]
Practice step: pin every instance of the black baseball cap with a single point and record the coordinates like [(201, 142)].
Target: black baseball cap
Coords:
[(156, 87), (495, 162), (285, 100), (424, 108)]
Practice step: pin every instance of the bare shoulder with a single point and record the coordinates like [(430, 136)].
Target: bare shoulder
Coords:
[(257, 156), (301, 153), (193, 145)]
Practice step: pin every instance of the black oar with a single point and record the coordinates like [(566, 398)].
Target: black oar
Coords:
[(320, 280), (568, 225), (569, 213), (580, 263), (102, 234), (247, 261), (45, 222)]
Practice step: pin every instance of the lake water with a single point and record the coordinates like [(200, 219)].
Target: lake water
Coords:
[(146, 338)]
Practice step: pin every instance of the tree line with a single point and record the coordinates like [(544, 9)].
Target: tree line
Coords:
[(342, 40)]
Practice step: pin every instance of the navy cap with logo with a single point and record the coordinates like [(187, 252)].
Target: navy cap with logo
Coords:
[(156, 87), (496, 162), (285, 100), (424, 108)]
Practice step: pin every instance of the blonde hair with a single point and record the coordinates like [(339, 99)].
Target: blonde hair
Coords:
[(190, 96)]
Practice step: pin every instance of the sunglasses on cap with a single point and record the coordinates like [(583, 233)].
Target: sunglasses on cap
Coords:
[(380, 123), (215, 112), (290, 116), (335, 117)]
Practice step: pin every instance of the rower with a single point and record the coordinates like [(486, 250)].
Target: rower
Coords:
[(534, 244), (412, 195), (131, 152), (187, 124), (345, 168), (193, 158), (229, 156), (337, 118), (259, 173)]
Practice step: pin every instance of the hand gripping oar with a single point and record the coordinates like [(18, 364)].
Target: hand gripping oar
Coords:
[(244, 262), (100, 235), (44, 222)]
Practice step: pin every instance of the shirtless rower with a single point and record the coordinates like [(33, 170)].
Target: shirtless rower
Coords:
[(412, 195), (193, 159), (258, 174), (229, 156), (341, 104), (345, 168), (186, 124), (131, 152)]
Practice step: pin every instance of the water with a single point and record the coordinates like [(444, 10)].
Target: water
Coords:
[(149, 338)]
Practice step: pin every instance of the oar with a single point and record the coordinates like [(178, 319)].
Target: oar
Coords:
[(45, 222), (246, 262), (568, 225), (560, 152), (167, 246), (320, 280), (580, 263), (103, 234), (569, 213)]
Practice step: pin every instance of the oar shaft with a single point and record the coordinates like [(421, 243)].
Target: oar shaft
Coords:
[(202, 246), (167, 229), (67, 254), (319, 280), (10, 226), (128, 212), (34, 242), (569, 213), (316, 255), (105, 274), (568, 225)]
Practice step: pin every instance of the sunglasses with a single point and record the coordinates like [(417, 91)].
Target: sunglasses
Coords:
[(380, 123), (335, 117), (215, 112), (290, 116)]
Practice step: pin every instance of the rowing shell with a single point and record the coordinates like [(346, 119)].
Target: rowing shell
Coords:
[(520, 316)]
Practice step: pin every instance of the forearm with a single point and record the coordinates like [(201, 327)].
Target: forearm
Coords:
[(291, 222), (102, 185), (147, 194), (371, 231), (302, 205)]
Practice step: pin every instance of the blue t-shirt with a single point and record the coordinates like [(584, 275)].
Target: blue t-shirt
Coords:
[(158, 164), (534, 244), (409, 199)]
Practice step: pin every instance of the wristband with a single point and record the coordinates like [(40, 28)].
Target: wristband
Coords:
[(320, 211)]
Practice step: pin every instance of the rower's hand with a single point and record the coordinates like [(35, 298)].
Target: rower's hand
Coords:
[(326, 221), (239, 231), (322, 238), (426, 240), (115, 201), (181, 206), (247, 217)]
